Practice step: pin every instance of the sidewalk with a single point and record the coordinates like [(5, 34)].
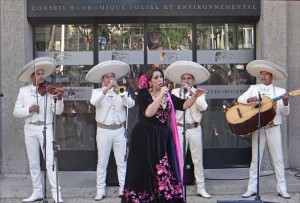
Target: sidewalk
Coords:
[(221, 184)]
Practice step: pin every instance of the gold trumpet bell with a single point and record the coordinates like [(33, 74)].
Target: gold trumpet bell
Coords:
[(121, 90)]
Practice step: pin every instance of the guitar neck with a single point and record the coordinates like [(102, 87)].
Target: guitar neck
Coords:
[(292, 93), (277, 98)]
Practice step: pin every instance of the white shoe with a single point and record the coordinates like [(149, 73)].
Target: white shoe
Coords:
[(121, 192), (203, 193), (99, 196), (54, 196), (33, 198), (248, 193), (284, 194)]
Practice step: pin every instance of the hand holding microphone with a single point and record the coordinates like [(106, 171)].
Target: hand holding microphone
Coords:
[(164, 89)]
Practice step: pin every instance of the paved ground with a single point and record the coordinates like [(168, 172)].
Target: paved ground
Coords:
[(223, 184)]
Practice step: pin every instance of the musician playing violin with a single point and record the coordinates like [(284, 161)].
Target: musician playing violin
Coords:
[(38, 110), (38, 79), (267, 71)]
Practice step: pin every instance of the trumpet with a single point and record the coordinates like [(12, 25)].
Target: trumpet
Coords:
[(121, 90)]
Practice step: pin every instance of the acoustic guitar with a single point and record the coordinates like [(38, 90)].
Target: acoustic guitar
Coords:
[(243, 118)]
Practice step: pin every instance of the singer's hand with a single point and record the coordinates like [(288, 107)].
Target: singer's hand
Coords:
[(252, 99), (164, 89), (199, 92)]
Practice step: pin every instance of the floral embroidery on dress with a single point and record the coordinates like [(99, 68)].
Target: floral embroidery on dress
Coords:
[(167, 184), (132, 196), (162, 114)]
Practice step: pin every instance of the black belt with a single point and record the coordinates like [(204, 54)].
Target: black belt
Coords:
[(113, 126), (189, 125), (38, 123)]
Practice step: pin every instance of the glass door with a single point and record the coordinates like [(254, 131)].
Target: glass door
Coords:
[(72, 48), (225, 50)]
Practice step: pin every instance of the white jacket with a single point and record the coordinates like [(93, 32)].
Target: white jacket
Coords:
[(194, 110), (103, 105)]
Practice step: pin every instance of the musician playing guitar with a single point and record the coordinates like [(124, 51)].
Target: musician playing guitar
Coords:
[(267, 71)]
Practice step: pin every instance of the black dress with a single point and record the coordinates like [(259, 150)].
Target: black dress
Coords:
[(153, 173)]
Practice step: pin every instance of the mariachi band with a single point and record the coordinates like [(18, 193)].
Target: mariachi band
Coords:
[(150, 169)]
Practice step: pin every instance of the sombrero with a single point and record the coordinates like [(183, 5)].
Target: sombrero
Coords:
[(112, 66), (255, 67), (179, 68), (45, 63)]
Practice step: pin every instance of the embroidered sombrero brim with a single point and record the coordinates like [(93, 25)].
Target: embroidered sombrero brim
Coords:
[(119, 68), (255, 67), (179, 68), (45, 63)]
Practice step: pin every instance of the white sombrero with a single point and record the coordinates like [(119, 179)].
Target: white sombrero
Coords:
[(113, 66), (45, 63), (255, 67), (179, 68)]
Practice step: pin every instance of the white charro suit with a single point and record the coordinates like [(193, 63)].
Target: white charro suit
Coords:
[(193, 135), (272, 136), (110, 109), (34, 137)]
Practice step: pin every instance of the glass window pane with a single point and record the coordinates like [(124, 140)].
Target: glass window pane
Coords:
[(169, 36), (120, 37), (227, 36), (64, 37), (216, 37), (245, 37), (228, 74)]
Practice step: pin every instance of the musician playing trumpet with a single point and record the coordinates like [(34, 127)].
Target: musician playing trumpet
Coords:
[(267, 71), (110, 117)]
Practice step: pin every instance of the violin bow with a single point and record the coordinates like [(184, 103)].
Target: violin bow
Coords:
[(36, 86)]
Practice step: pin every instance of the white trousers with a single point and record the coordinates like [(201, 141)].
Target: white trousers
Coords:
[(34, 140), (107, 140), (273, 138), (194, 139)]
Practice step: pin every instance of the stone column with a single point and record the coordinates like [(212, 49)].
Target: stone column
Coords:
[(16, 51)]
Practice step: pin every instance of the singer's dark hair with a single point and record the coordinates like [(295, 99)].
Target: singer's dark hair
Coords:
[(149, 73)]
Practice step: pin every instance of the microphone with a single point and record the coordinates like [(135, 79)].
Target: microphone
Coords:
[(259, 96), (259, 101), (186, 87), (1, 94)]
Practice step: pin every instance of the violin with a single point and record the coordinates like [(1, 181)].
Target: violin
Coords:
[(50, 87)]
